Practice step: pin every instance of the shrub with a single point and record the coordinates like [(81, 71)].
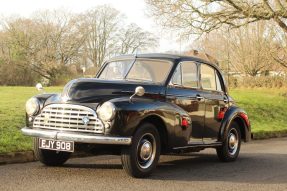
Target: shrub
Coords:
[(258, 82), (12, 75)]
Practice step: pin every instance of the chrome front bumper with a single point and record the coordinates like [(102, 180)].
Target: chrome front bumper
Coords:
[(77, 137)]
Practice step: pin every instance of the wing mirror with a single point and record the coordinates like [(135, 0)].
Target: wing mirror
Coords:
[(39, 87), (139, 91)]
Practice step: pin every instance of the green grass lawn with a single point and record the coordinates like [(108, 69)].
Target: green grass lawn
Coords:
[(12, 117), (267, 109)]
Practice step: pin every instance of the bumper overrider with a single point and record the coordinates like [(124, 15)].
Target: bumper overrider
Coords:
[(76, 137)]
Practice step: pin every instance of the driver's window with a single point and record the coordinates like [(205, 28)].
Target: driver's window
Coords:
[(186, 75)]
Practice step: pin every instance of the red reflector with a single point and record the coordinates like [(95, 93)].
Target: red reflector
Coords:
[(245, 117), (221, 113), (184, 122)]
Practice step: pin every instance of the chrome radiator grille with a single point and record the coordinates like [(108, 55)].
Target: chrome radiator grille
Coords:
[(68, 117)]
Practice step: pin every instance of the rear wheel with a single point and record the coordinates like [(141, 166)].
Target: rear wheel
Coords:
[(49, 157), (141, 157), (229, 151)]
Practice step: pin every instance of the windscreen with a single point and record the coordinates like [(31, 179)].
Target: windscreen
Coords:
[(148, 70)]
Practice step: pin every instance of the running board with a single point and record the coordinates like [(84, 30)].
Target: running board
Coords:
[(211, 145)]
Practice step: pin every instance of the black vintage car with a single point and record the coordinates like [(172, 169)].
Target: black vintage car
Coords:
[(140, 107)]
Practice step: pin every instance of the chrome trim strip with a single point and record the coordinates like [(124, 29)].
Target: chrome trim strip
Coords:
[(77, 137)]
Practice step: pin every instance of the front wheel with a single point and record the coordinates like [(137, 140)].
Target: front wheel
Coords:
[(141, 157), (49, 157), (229, 151)]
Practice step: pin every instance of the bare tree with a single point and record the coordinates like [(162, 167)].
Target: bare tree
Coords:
[(106, 34), (53, 44), (133, 38), (59, 41), (45, 44), (246, 50), (99, 26), (199, 16), (204, 16), (251, 49), (13, 54)]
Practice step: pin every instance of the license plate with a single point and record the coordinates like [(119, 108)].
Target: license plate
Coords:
[(56, 145)]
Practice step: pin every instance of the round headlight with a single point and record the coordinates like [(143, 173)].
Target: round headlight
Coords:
[(107, 111), (32, 106)]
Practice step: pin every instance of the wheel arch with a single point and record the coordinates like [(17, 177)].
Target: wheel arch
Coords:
[(239, 116), (158, 122), (242, 126)]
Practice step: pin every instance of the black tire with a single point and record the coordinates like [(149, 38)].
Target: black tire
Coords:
[(49, 157), (141, 164), (226, 152)]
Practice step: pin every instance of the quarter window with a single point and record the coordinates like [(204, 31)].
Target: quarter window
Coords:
[(218, 83)]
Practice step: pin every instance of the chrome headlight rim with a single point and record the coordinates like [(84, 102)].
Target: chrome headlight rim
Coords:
[(102, 110), (36, 109)]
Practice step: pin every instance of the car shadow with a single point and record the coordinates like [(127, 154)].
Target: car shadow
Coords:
[(93, 166), (249, 168)]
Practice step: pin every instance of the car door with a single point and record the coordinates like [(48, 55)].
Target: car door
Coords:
[(184, 91), (216, 101)]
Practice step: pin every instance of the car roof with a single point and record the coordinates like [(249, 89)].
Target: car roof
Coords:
[(164, 56)]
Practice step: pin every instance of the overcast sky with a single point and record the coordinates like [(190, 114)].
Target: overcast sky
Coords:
[(135, 11)]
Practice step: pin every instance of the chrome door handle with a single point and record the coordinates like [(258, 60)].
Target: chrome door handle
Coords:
[(198, 97), (225, 100)]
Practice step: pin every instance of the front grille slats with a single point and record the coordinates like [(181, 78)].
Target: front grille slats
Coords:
[(64, 120), (68, 117), (67, 125), (54, 110)]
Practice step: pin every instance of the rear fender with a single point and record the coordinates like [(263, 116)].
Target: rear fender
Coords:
[(238, 115)]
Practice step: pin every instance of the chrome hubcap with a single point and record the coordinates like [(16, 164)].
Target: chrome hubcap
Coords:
[(146, 151), (232, 141)]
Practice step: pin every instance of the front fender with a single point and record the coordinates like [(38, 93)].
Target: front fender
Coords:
[(42, 100), (131, 114), (43, 97), (238, 114)]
